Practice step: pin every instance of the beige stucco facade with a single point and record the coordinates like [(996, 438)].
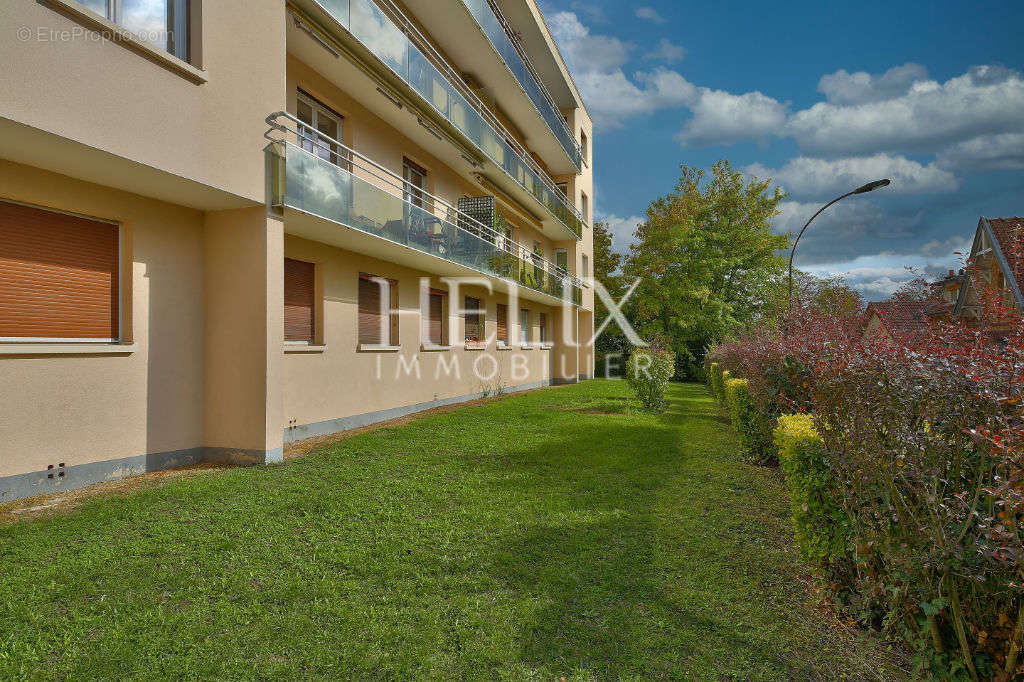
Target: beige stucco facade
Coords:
[(177, 155)]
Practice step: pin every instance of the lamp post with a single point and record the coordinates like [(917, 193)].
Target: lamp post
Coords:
[(863, 189)]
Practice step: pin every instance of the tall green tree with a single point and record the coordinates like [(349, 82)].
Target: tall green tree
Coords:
[(607, 270), (708, 261)]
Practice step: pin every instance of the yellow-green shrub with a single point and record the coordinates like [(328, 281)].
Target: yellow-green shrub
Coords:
[(715, 379), (822, 527), (754, 429)]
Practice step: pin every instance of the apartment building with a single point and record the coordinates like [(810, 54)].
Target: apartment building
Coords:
[(229, 225)]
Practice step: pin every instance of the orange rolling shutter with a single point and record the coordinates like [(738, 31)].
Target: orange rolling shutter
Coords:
[(377, 326), (436, 319), (503, 322), (58, 275), (299, 300), (474, 320)]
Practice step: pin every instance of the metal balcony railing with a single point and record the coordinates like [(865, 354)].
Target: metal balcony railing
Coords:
[(398, 44), (507, 44), (319, 175)]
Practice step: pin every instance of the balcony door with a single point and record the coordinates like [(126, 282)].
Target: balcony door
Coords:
[(324, 128)]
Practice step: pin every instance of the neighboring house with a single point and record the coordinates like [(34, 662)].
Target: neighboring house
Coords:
[(997, 254), (901, 320), (228, 225), (948, 288)]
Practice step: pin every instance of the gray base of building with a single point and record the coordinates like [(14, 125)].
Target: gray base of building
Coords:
[(332, 426), (60, 479)]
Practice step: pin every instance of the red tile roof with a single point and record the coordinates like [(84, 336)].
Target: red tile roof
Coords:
[(906, 317), (1009, 232)]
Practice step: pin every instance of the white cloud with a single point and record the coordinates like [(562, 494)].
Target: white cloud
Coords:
[(649, 14), (721, 118), (585, 52), (984, 153), (823, 178), (930, 116), (844, 88), (594, 13), (667, 51), (879, 275), (597, 63), (622, 230)]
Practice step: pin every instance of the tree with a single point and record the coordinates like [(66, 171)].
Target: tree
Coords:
[(917, 289), (607, 270), (708, 261)]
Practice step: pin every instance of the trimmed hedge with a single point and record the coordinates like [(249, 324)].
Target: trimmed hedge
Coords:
[(823, 529), (755, 431), (715, 381)]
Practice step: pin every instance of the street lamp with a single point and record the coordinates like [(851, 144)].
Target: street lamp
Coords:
[(863, 189)]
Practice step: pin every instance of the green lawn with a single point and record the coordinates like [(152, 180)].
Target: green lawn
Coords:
[(557, 533)]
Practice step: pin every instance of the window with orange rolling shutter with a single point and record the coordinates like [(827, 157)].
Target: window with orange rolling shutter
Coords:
[(59, 276), (435, 320), (503, 323), (299, 300), (378, 325)]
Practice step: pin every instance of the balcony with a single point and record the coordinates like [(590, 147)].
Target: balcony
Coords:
[(397, 45), (499, 33), (319, 176)]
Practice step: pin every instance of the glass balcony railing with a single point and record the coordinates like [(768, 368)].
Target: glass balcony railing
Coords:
[(323, 178), (393, 46), (494, 28)]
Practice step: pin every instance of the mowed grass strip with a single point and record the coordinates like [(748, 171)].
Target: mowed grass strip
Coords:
[(560, 533)]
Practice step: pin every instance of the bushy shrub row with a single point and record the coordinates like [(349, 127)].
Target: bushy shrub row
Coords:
[(822, 527), (904, 458), (754, 429)]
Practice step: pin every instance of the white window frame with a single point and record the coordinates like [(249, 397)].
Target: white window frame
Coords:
[(115, 13), (524, 329), (320, 109)]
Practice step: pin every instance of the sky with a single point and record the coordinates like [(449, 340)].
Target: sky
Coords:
[(821, 98)]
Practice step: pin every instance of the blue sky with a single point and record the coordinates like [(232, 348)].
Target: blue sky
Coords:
[(820, 97)]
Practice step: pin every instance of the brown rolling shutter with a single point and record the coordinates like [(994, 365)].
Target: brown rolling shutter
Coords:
[(299, 299), (436, 318), (371, 322), (474, 323), (58, 275), (503, 322)]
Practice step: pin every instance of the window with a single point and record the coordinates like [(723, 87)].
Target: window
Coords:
[(584, 207), (542, 322), (583, 147), (474, 321), (416, 182), (563, 187), (378, 321), (435, 317), (562, 259), (59, 276), (585, 270), (163, 23), (524, 327), (299, 301), (324, 131), (503, 324)]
